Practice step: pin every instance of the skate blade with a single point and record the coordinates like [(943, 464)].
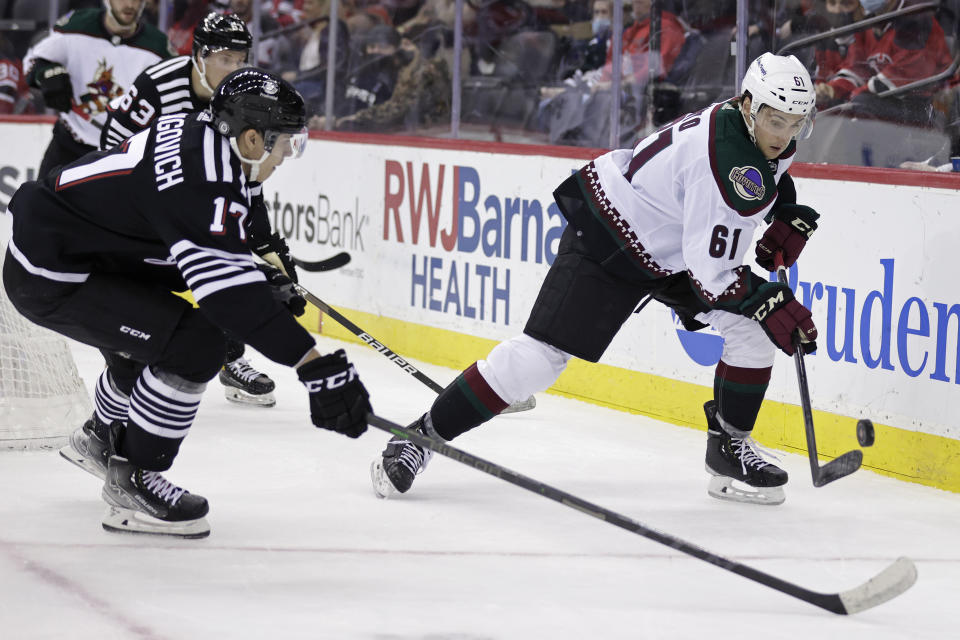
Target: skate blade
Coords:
[(71, 455), (723, 488), (240, 396), (382, 487), (523, 405), (120, 520)]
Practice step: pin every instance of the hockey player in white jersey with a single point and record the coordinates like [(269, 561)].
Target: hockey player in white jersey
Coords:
[(221, 45), (89, 59), (671, 219)]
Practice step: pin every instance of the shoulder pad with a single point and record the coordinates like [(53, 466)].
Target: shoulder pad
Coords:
[(741, 172)]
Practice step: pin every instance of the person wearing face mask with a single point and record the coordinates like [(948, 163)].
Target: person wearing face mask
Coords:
[(373, 77), (886, 56), (587, 55), (421, 97)]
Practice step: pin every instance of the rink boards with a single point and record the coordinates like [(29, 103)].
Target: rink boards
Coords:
[(450, 240)]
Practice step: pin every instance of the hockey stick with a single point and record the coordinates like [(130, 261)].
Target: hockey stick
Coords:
[(838, 467), (333, 262), (385, 351), (886, 585)]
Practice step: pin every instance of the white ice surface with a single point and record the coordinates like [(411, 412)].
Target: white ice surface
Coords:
[(301, 548)]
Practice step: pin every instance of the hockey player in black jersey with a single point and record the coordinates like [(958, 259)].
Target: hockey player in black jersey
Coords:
[(97, 249), (221, 44), (670, 219)]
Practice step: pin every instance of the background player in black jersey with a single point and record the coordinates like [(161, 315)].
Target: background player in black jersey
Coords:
[(221, 45), (98, 247)]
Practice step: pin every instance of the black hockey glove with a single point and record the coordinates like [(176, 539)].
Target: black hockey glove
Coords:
[(273, 243), (283, 290), (781, 316), (262, 240), (54, 83), (792, 226), (338, 400)]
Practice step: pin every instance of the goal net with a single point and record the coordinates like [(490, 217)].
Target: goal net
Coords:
[(42, 398)]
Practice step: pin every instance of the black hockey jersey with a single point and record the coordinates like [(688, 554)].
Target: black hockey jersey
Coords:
[(167, 206), (159, 90)]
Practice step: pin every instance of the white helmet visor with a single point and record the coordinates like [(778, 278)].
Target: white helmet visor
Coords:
[(783, 125)]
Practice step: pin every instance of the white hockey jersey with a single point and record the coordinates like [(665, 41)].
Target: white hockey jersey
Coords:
[(689, 198), (101, 65)]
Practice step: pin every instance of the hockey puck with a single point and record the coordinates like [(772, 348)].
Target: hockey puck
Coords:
[(865, 433)]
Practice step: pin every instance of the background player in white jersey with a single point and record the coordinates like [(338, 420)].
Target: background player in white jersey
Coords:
[(221, 45), (87, 61), (97, 248), (671, 219)]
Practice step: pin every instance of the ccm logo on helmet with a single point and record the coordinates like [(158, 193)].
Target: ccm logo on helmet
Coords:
[(332, 382)]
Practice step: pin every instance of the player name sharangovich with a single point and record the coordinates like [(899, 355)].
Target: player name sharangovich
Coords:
[(167, 164)]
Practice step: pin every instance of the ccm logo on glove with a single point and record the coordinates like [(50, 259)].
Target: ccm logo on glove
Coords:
[(333, 382)]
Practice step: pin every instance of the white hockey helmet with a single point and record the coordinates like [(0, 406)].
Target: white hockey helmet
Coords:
[(781, 83)]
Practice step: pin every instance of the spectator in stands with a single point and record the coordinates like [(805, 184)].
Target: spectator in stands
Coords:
[(578, 112), (421, 97), (439, 14), (591, 53), (14, 94), (186, 15), (311, 44), (273, 52), (374, 75), (886, 56)]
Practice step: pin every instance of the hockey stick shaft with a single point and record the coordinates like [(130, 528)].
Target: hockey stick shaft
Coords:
[(372, 342), (379, 347), (895, 579), (841, 466), (329, 264)]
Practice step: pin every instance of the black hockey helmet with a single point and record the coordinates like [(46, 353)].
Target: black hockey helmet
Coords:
[(252, 98), (217, 32)]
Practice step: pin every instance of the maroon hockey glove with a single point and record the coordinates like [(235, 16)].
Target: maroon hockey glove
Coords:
[(283, 290), (338, 400), (781, 316), (792, 226)]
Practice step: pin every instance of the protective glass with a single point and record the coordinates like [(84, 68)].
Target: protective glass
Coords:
[(285, 145)]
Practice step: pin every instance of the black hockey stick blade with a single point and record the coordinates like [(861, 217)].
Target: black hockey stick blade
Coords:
[(333, 262), (839, 467), (886, 585)]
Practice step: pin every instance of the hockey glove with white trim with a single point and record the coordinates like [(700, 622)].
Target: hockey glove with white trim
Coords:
[(274, 250), (54, 83), (338, 400), (283, 290), (792, 226), (262, 240), (781, 316)]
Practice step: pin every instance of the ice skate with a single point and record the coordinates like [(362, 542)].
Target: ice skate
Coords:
[(245, 385), (733, 460), (399, 464), (145, 502), (89, 447)]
